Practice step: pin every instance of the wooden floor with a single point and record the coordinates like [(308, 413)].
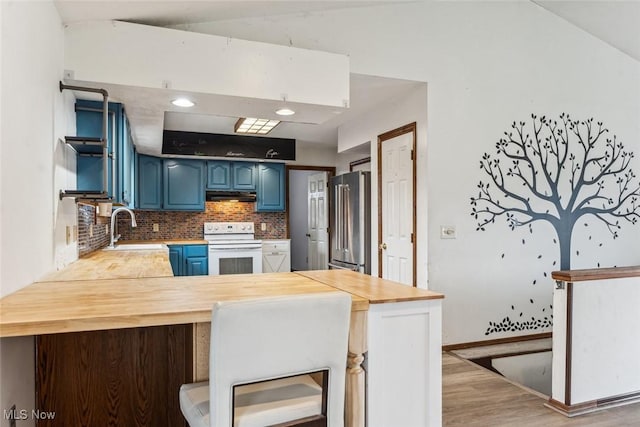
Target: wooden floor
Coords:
[(475, 397)]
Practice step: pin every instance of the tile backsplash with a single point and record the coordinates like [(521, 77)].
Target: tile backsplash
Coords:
[(188, 225), (93, 231)]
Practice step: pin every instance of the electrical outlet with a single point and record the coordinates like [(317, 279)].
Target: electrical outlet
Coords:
[(91, 230), (447, 232), (106, 229), (263, 226), (156, 227), (68, 234)]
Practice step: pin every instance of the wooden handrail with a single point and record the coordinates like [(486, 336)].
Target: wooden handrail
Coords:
[(596, 274)]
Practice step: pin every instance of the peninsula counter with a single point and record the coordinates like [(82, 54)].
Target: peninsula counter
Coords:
[(115, 350)]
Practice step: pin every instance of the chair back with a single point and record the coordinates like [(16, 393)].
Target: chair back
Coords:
[(257, 340)]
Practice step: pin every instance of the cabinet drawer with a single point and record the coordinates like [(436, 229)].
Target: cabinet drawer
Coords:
[(278, 246), (195, 251)]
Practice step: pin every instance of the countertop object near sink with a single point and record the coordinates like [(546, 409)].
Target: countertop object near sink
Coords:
[(137, 247)]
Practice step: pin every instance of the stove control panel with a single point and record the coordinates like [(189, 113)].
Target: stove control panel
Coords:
[(228, 228)]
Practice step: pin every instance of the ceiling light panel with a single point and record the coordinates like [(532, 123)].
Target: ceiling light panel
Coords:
[(255, 126)]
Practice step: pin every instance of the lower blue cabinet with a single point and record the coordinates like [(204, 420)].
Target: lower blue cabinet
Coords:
[(176, 259), (189, 260)]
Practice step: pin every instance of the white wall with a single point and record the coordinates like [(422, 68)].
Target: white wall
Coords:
[(397, 112), (311, 154), (486, 64), (33, 167)]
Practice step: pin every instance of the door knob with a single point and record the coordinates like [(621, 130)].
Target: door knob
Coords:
[(308, 235), (383, 246)]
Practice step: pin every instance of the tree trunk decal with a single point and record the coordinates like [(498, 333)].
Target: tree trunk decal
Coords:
[(556, 172)]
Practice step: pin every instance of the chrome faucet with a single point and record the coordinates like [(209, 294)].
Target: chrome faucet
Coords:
[(113, 223)]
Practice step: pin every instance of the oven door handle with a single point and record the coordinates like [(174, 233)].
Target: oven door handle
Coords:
[(244, 248)]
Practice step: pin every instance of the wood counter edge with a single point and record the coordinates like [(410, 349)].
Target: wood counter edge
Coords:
[(410, 293), (596, 274), (84, 324)]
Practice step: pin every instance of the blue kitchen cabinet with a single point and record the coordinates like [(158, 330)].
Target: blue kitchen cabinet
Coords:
[(189, 260), (244, 176), (126, 162), (149, 191), (271, 187), (219, 175), (224, 175), (183, 185), (176, 259), (90, 161), (196, 260)]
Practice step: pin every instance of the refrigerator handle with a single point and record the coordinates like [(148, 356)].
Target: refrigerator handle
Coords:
[(339, 267), (338, 212), (347, 215)]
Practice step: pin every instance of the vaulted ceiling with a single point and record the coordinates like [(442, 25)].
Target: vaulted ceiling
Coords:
[(615, 22)]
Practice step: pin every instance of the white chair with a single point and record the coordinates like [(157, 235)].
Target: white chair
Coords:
[(279, 340)]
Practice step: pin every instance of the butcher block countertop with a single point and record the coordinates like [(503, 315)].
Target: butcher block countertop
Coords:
[(71, 306), (136, 288), (103, 264), (373, 289)]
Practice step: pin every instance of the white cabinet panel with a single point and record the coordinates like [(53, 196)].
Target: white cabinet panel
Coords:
[(276, 256)]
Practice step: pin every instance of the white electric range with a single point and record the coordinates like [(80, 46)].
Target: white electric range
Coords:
[(233, 248)]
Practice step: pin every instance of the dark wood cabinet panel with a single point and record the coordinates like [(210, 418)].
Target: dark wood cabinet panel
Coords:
[(122, 377)]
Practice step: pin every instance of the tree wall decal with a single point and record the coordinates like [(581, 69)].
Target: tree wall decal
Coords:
[(558, 172)]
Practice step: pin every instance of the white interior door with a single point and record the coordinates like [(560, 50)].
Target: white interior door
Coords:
[(396, 250), (318, 230)]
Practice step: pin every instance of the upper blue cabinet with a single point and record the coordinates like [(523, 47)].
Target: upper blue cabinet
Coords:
[(180, 184), (170, 184), (226, 175), (271, 187), (149, 191), (219, 175), (183, 185), (244, 176), (120, 149)]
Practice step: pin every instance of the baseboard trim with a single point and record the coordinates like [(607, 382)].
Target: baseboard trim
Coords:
[(508, 340), (593, 405)]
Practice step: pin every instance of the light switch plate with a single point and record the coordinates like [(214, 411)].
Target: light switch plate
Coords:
[(447, 232), (156, 227), (263, 226)]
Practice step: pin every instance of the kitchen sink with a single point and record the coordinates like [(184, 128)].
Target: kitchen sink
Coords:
[(137, 247)]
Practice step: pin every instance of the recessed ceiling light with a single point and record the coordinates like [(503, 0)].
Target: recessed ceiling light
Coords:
[(255, 126), (183, 102), (285, 112)]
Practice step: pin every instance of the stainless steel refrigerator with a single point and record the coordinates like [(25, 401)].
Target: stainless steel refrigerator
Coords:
[(351, 222)]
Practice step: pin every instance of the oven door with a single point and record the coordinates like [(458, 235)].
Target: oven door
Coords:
[(226, 259)]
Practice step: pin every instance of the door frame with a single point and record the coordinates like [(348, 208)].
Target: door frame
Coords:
[(409, 128), (331, 171)]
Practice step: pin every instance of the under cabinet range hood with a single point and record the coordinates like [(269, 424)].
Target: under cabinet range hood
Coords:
[(230, 196)]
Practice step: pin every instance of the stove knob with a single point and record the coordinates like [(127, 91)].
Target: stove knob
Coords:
[(244, 227), (216, 228)]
